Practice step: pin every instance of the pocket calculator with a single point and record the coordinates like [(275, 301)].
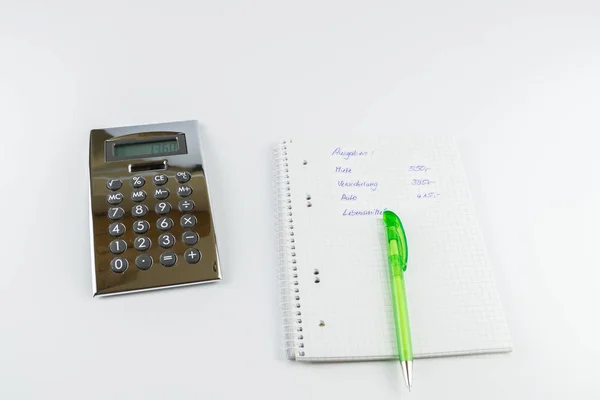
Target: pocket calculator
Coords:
[(150, 210)]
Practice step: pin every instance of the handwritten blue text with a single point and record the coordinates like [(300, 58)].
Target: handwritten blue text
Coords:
[(348, 153), (420, 182), (358, 183), (361, 213), (429, 195), (343, 170), (418, 168)]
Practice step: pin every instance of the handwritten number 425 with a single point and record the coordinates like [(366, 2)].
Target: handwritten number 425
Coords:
[(429, 195)]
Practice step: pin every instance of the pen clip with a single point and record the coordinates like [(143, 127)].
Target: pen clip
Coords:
[(403, 247), (396, 234)]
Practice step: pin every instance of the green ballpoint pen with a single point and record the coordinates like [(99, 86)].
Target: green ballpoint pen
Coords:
[(397, 259)]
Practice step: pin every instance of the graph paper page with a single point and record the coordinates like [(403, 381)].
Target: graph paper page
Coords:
[(338, 191)]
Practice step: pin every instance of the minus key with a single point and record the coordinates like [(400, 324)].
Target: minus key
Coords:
[(189, 238)]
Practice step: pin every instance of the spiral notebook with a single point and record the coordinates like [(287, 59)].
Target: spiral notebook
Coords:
[(333, 272)]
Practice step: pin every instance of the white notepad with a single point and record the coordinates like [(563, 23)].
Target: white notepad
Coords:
[(333, 264)]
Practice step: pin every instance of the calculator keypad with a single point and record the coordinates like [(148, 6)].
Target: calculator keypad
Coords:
[(142, 225)]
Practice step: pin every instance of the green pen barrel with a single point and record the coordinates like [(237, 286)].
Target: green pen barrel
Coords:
[(400, 305), (397, 259)]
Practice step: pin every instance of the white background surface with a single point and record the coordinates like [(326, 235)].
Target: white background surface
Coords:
[(516, 81)]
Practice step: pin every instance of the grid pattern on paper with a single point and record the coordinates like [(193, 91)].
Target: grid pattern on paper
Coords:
[(453, 304)]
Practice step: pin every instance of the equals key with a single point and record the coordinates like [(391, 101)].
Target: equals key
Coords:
[(168, 259)]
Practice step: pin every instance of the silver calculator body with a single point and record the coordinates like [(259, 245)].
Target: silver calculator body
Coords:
[(151, 219)]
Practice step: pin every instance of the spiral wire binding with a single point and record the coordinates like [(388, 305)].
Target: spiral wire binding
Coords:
[(289, 289)]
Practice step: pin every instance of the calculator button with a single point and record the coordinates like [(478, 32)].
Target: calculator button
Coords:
[(117, 246), (138, 195), (138, 181), (162, 208), (114, 198), (182, 177), (188, 221), (166, 240), (141, 226), (192, 256), (161, 193), (164, 223), (119, 265), (142, 243), (168, 259), (189, 238), (184, 191), (116, 229), (143, 261), (115, 213), (186, 205), (139, 211), (114, 184), (160, 179)]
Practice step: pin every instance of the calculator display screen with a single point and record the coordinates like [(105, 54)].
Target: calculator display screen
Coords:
[(150, 149)]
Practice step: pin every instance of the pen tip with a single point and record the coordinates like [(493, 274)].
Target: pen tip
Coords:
[(407, 372)]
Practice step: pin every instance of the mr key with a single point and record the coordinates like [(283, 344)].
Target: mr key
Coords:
[(152, 224)]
